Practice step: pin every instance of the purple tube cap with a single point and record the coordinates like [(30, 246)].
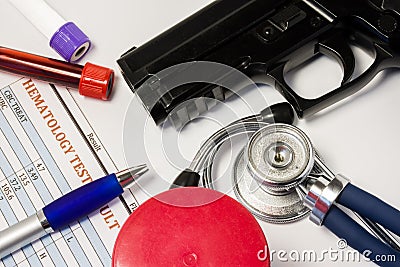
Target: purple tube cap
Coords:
[(70, 42)]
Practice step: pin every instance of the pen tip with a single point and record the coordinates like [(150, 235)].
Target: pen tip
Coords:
[(130, 175)]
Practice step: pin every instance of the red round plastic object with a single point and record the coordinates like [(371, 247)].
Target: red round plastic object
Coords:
[(201, 227), (96, 81)]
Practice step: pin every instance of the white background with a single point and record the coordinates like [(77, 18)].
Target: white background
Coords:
[(357, 137)]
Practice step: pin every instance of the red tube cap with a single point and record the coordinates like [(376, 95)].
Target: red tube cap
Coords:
[(191, 227), (96, 81)]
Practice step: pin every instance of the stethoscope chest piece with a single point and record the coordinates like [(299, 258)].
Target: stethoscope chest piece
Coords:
[(276, 159)]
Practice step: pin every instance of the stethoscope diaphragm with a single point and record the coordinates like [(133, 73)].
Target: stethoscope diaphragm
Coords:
[(276, 159)]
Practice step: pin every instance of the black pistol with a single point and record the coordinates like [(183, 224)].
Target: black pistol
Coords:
[(262, 38)]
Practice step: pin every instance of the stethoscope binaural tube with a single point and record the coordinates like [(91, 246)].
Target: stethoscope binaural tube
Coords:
[(344, 227), (371, 207)]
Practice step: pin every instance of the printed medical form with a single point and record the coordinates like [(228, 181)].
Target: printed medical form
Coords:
[(48, 148)]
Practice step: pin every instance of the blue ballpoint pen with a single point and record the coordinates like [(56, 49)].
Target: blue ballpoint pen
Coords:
[(67, 209)]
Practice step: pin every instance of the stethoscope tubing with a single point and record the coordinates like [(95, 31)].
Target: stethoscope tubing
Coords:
[(344, 227), (371, 207)]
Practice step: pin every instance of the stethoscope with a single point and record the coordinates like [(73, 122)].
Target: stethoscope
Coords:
[(280, 178)]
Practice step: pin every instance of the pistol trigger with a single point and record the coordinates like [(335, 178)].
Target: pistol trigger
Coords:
[(337, 48)]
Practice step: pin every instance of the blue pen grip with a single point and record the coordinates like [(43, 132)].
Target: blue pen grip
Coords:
[(82, 201)]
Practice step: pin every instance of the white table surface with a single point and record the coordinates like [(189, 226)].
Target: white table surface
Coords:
[(358, 137)]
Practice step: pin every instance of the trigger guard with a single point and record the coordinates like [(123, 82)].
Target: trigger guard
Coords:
[(307, 107), (343, 54)]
